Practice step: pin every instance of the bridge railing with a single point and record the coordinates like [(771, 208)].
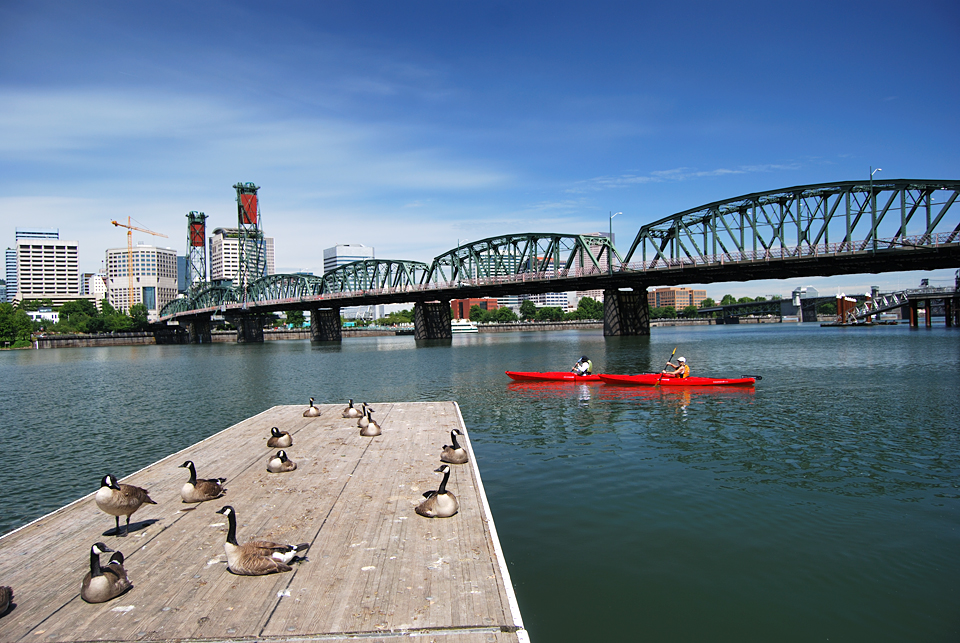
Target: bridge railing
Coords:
[(788, 252)]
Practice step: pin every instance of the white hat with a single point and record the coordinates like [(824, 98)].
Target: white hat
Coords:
[(681, 359)]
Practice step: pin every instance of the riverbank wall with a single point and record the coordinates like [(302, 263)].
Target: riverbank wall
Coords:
[(172, 336)]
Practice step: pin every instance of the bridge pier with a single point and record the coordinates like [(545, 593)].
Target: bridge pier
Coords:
[(249, 328), (325, 325), (199, 330), (431, 320), (625, 312)]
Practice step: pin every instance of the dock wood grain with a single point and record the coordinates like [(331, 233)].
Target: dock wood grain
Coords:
[(376, 571)]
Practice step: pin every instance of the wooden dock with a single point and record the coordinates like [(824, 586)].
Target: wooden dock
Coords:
[(376, 571)]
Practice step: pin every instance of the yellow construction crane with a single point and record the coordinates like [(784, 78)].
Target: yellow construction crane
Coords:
[(130, 228)]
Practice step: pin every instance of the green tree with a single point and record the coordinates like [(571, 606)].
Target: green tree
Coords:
[(528, 310), (398, 317), (476, 313), (690, 311), (707, 303), (138, 317), (15, 325), (745, 300), (727, 300), (550, 313), (504, 315), (589, 308), (296, 318)]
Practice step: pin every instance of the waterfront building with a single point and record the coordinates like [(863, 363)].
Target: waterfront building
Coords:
[(154, 273), (225, 256), (460, 308), (3, 290), (549, 299), (679, 298), (47, 267)]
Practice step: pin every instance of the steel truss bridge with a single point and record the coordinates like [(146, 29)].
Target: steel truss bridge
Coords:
[(813, 230)]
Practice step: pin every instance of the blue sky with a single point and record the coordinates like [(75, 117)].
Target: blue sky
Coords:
[(408, 126)]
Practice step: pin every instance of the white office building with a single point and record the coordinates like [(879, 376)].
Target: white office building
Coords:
[(344, 253), (224, 256), (153, 282), (46, 267), (96, 287), (340, 255)]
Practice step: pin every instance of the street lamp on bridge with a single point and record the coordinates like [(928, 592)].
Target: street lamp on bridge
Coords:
[(610, 249)]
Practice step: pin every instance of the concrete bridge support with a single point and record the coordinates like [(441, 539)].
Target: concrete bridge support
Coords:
[(625, 312), (199, 330), (325, 325), (249, 328), (431, 320)]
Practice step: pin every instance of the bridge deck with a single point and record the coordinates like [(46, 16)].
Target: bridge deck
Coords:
[(375, 568)]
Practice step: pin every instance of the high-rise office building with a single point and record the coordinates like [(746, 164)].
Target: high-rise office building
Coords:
[(225, 255), (11, 255), (154, 281), (47, 267), (344, 253), (340, 255)]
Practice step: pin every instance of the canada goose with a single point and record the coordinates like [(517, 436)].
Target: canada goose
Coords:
[(280, 463), (364, 419), (351, 411), (372, 428), (455, 454), (257, 557), (103, 583), (279, 439), (120, 500), (440, 503), (200, 490), (311, 412), (6, 597)]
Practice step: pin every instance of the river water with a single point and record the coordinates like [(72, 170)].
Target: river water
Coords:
[(823, 505)]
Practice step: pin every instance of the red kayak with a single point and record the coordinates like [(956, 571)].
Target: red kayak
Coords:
[(649, 379), (556, 376)]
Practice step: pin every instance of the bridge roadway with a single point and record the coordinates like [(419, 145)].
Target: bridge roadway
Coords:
[(815, 230)]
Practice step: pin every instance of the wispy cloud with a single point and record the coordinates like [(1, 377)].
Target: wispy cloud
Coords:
[(665, 176)]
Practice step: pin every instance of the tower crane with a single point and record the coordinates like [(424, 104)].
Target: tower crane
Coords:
[(130, 228)]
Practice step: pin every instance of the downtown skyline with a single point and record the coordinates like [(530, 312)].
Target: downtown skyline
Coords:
[(411, 128)]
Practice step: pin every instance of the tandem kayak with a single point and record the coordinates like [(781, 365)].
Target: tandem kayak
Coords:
[(555, 376), (650, 379)]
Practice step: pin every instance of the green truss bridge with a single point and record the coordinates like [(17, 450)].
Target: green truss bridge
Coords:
[(812, 230)]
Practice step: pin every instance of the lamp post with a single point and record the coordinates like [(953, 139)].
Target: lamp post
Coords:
[(610, 249), (873, 208)]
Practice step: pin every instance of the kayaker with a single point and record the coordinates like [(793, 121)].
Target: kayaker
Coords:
[(583, 366), (679, 370)]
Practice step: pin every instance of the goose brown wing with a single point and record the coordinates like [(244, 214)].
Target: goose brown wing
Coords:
[(211, 488), (265, 547), (135, 496)]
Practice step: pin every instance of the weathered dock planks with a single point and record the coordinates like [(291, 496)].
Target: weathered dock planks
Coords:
[(376, 570)]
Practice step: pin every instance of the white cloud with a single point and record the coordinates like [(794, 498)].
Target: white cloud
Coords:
[(676, 174)]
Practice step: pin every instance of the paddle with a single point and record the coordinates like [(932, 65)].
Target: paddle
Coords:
[(668, 361)]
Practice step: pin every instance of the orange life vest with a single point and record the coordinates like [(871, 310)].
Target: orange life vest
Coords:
[(685, 372)]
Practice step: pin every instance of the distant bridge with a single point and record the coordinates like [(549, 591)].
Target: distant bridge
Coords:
[(814, 230)]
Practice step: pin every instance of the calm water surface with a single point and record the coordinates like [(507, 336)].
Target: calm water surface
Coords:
[(823, 505)]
